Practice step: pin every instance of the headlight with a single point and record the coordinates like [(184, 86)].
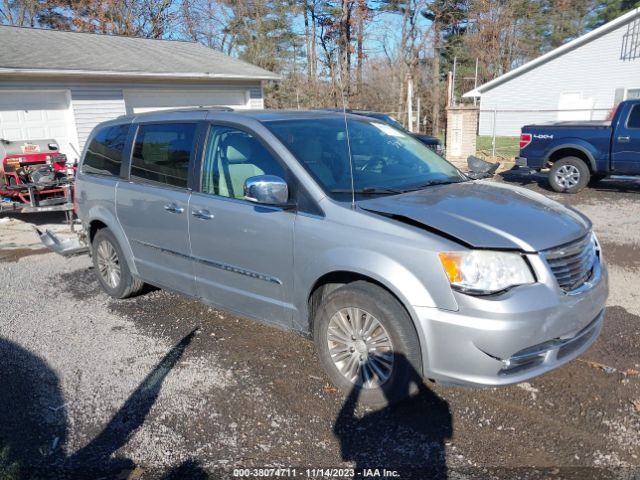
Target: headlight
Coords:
[(482, 272)]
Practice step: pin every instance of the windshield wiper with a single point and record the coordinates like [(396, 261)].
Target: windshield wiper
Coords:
[(369, 191), (431, 183)]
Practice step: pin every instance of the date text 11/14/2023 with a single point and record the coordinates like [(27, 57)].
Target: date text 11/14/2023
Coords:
[(329, 473)]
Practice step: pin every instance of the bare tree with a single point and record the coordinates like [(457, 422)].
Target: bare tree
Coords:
[(411, 45), (20, 13), (207, 22), (362, 15)]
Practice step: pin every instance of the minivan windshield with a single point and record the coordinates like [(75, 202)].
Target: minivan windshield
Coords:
[(385, 160)]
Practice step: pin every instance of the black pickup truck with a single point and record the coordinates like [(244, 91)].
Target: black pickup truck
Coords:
[(579, 153)]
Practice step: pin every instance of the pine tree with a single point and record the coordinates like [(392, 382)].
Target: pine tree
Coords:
[(611, 9)]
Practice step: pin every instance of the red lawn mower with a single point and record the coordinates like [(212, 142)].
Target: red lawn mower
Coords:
[(35, 177)]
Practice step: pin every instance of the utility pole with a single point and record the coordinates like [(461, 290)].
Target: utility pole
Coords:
[(418, 115), (453, 83), (410, 102), (475, 82)]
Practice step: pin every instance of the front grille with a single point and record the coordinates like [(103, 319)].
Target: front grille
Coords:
[(572, 264)]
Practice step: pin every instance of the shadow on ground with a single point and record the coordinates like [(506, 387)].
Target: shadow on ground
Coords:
[(524, 178), (39, 218), (408, 437), (33, 422)]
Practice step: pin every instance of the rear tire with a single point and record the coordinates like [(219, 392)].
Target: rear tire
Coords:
[(569, 175), (361, 331), (111, 268)]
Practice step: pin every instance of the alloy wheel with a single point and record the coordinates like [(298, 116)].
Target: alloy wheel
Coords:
[(360, 347), (567, 176), (108, 263)]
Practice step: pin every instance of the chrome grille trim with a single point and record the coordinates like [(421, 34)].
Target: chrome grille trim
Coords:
[(572, 264)]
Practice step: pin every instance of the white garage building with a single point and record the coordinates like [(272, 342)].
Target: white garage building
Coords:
[(581, 80), (59, 85)]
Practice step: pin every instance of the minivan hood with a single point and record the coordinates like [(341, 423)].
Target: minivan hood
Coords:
[(484, 214)]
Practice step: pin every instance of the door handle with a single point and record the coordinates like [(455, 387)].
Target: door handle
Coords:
[(203, 214), (173, 208), (624, 139)]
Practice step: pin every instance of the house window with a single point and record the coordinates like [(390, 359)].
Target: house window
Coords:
[(631, 42), (633, 93)]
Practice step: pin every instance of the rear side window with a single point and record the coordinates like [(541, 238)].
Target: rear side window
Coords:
[(161, 153), (634, 117), (104, 154)]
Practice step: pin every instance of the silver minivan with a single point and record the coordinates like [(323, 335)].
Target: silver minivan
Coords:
[(345, 229)]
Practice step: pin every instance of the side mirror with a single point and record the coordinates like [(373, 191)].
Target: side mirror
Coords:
[(266, 190)]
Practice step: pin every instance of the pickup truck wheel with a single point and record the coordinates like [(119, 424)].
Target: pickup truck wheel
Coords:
[(569, 175), (367, 344), (112, 270)]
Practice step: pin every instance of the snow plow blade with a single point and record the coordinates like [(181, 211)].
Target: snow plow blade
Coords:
[(63, 246)]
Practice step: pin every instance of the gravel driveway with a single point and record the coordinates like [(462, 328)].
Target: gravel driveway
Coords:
[(161, 386)]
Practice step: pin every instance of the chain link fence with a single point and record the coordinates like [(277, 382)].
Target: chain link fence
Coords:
[(498, 132), (499, 129)]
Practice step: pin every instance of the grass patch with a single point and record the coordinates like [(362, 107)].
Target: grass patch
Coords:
[(506, 147)]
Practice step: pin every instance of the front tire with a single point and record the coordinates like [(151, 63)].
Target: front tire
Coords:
[(111, 268), (367, 344), (569, 175)]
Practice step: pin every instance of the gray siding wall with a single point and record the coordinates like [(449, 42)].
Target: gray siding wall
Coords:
[(594, 70), (93, 105)]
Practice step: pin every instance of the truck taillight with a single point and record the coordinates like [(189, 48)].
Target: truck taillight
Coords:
[(525, 139)]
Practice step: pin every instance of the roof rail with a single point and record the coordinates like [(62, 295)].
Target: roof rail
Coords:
[(219, 108)]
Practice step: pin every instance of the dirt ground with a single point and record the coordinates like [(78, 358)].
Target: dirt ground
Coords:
[(161, 386)]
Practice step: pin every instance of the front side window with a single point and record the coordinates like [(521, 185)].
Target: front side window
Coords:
[(383, 159), (634, 117), (231, 157), (104, 153), (161, 153)]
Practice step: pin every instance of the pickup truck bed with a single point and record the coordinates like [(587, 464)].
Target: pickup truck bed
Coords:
[(577, 152), (574, 123)]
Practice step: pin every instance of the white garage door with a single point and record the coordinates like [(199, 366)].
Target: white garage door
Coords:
[(36, 115), (138, 101)]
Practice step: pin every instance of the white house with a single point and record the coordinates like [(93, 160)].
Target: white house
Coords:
[(59, 85), (581, 80)]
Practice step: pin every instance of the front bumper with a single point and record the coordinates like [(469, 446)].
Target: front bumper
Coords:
[(520, 334)]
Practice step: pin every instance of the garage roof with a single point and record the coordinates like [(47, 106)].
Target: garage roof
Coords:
[(35, 51)]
